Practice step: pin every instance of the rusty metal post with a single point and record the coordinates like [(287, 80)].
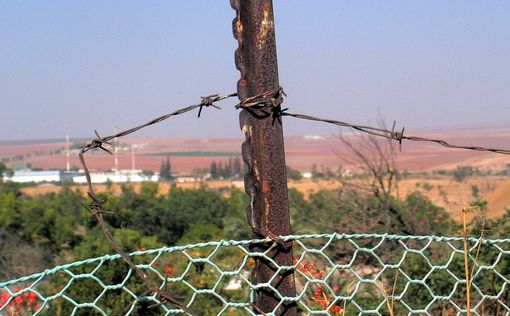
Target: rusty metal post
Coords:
[(263, 151)]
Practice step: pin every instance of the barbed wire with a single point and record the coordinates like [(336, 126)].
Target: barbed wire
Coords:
[(96, 205), (396, 135), (273, 101)]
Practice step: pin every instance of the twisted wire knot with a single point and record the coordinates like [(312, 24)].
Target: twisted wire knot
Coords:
[(208, 101), (272, 98)]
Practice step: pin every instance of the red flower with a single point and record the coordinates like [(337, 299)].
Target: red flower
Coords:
[(169, 270), (335, 309), (31, 298), (4, 298)]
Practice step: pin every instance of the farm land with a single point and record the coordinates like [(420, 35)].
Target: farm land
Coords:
[(427, 168)]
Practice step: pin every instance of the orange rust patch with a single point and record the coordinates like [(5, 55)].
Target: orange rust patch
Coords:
[(265, 187), (266, 25), (239, 30)]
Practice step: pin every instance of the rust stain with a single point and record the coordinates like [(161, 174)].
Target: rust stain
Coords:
[(266, 25), (239, 31), (265, 187), (267, 209)]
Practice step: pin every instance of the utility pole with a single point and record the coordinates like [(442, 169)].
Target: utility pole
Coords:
[(263, 152), (68, 163)]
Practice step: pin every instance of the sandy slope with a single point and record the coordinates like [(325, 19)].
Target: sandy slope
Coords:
[(499, 200)]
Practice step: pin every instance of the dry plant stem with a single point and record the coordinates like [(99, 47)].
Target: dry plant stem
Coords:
[(96, 205), (466, 262), (482, 230), (390, 305), (393, 294), (349, 287)]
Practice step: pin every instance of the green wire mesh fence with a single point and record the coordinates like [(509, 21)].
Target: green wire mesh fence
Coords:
[(336, 274)]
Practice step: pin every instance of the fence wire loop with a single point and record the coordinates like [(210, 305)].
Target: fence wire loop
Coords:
[(271, 99)]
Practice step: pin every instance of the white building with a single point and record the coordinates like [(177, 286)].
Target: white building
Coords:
[(306, 175), (24, 176), (116, 177)]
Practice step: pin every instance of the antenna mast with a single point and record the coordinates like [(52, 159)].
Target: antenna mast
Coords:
[(68, 164)]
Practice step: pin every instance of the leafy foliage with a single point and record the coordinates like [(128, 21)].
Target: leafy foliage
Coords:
[(58, 226)]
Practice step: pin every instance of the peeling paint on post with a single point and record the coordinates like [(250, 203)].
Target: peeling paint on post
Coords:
[(263, 151)]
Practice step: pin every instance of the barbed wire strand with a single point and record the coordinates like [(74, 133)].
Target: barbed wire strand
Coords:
[(398, 136), (96, 206), (273, 101)]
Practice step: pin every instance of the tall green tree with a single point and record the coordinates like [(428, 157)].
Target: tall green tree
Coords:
[(165, 171), (4, 170), (214, 170), (236, 167)]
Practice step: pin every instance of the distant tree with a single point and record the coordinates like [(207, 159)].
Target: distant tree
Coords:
[(462, 172), (293, 174), (214, 170), (316, 174), (236, 167), (4, 170), (221, 171), (228, 169), (148, 173), (475, 191), (165, 171), (162, 170)]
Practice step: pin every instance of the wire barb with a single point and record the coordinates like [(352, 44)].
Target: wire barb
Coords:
[(208, 101)]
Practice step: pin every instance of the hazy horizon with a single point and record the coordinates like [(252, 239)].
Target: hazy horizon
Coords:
[(91, 65)]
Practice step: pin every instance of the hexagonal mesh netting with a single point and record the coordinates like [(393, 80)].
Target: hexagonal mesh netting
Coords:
[(336, 274)]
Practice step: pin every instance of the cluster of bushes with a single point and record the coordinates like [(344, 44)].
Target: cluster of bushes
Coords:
[(56, 227), (460, 173)]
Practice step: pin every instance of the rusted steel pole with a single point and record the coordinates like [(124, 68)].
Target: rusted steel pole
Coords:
[(263, 151)]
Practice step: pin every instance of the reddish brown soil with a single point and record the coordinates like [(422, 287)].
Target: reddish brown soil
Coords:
[(301, 153)]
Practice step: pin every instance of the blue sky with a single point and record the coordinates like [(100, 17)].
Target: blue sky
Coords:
[(99, 64)]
